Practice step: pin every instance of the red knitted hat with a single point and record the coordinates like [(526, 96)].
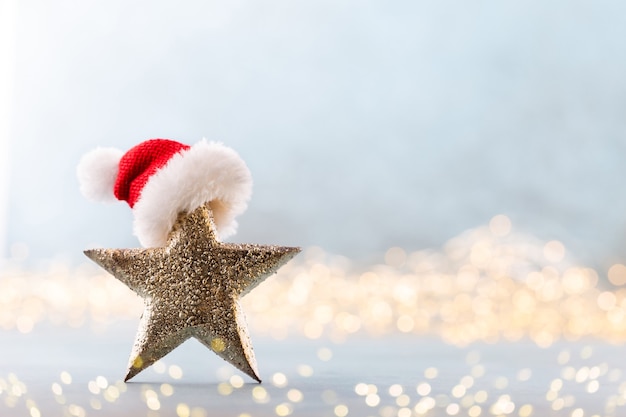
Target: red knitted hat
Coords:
[(140, 163), (160, 178)]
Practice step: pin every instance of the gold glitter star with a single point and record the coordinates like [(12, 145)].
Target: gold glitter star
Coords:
[(191, 287)]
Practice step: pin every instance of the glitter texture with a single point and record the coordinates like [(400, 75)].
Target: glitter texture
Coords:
[(191, 287)]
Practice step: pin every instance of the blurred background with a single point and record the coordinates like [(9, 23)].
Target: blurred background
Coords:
[(366, 124), (453, 169)]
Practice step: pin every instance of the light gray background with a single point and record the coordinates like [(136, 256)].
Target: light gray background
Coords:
[(366, 124)]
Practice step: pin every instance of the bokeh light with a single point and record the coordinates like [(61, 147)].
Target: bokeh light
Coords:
[(488, 285)]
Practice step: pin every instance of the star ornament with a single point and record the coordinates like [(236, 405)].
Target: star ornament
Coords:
[(191, 288)]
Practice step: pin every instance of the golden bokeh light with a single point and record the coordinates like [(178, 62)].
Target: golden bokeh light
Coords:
[(488, 284), (485, 286), (617, 274)]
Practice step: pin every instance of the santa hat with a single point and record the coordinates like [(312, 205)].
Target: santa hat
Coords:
[(160, 178)]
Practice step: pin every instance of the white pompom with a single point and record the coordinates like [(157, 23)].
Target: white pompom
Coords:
[(97, 171)]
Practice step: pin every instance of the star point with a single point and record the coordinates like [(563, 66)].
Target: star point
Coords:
[(191, 288)]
